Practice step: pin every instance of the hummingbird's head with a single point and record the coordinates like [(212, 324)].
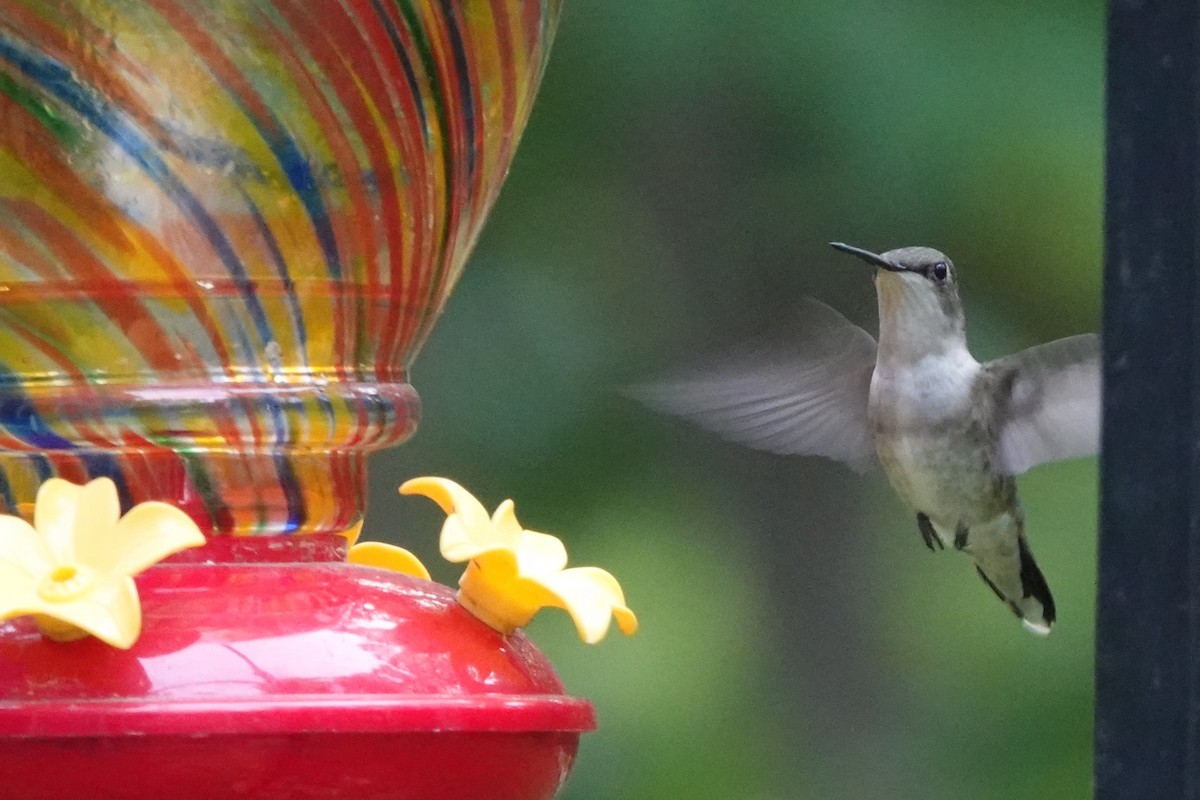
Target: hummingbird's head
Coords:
[(918, 296)]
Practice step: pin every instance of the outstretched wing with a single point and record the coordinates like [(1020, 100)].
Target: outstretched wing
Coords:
[(804, 392), (1048, 403)]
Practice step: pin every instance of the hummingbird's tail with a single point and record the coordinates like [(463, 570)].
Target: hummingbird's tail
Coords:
[(1017, 580)]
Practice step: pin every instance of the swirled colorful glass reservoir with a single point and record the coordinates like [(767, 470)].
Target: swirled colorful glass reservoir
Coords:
[(227, 226)]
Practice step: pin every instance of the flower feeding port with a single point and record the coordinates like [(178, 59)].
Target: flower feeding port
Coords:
[(228, 228)]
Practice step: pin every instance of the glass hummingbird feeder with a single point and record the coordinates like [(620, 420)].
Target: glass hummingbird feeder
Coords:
[(226, 228)]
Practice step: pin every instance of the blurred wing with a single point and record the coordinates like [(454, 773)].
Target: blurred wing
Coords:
[(1049, 406), (804, 392)]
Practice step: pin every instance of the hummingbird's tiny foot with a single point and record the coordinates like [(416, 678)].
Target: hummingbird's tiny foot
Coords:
[(960, 537), (928, 534)]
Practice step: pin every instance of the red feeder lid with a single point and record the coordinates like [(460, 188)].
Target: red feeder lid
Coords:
[(283, 649)]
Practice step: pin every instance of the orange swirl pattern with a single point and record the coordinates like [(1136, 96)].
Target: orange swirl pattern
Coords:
[(227, 227)]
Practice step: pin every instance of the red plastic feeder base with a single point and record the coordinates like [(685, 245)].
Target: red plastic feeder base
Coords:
[(272, 681)]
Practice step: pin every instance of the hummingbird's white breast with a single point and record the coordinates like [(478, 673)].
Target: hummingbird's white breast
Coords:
[(928, 437)]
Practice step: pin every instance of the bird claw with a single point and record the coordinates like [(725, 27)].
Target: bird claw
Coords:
[(928, 534), (960, 537)]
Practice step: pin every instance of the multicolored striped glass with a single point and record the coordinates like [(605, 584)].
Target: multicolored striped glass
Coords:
[(227, 226)]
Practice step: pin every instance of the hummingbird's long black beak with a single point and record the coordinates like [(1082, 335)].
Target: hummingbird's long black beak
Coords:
[(867, 256)]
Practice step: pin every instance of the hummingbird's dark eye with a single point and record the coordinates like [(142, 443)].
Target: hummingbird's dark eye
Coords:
[(939, 271)]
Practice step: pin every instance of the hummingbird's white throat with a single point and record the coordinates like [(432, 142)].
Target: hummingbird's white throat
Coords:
[(917, 318)]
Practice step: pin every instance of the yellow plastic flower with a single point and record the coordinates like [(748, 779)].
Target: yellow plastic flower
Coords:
[(514, 572), (73, 568)]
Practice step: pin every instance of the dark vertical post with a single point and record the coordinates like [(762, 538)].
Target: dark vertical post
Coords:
[(1148, 637)]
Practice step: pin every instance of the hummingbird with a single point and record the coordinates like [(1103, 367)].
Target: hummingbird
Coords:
[(951, 434)]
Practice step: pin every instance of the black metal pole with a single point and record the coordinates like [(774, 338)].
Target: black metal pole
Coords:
[(1148, 637)]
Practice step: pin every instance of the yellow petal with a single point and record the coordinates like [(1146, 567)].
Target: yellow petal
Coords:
[(20, 545), (146, 535), (97, 509), (540, 553), (593, 598), (456, 544), (627, 621), (389, 557), (18, 591), (54, 517), (454, 500), (111, 613), (505, 528)]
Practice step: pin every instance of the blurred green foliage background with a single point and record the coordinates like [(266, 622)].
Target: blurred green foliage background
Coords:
[(683, 169)]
